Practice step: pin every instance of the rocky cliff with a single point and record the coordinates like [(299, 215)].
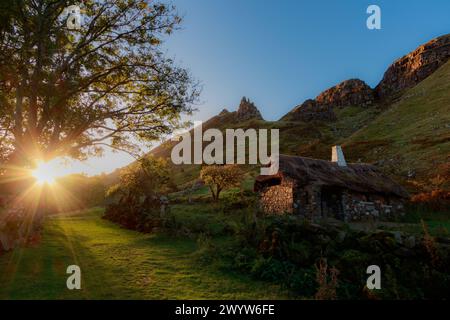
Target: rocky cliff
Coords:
[(311, 110), (409, 70), (247, 110), (353, 92), (404, 73)]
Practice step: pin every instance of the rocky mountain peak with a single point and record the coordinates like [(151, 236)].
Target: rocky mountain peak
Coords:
[(224, 112), (247, 110), (352, 92), (409, 70), (311, 110)]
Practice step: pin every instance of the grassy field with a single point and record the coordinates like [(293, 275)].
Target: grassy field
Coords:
[(118, 264)]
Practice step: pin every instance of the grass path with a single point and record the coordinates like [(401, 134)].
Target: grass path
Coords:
[(117, 264)]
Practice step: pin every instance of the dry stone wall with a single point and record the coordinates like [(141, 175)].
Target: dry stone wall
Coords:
[(358, 207), (278, 199)]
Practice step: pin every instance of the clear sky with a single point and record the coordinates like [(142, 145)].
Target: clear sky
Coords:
[(279, 53)]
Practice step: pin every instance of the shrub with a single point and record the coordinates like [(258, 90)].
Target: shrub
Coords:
[(430, 245), (435, 200), (327, 281)]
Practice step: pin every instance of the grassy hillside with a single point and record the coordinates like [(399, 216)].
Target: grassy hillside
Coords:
[(412, 138), (313, 139), (409, 139)]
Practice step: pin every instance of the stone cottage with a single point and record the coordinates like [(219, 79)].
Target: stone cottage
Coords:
[(316, 188)]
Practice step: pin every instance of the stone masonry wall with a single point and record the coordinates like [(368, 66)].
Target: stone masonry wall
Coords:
[(277, 199), (306, 202), (361, 207)]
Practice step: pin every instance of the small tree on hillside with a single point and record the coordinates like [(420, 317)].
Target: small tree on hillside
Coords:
[(149, 178), (219, 178), (139, 195)]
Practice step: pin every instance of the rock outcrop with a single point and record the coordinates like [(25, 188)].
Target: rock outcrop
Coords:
[(352, 92), (310, 110), (224, 112), (404, 73), (409, 70), (247, 110)]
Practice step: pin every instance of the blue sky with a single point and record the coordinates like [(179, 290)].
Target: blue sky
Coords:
[(279, 53)]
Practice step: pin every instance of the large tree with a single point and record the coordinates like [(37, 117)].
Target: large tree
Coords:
[(66, 92)]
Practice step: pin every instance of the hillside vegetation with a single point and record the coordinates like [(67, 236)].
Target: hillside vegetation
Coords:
[(406, 134), (411, 139)]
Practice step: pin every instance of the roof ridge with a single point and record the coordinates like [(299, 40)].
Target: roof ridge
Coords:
[(316, 159)]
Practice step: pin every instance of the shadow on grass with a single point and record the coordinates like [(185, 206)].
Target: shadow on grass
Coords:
[(117, 264)]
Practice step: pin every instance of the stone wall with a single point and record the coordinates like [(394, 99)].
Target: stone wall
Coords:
[(306, 202), (277, 199), (361, 207)]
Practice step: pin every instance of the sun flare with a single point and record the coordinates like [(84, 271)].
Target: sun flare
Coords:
[(45, 173)]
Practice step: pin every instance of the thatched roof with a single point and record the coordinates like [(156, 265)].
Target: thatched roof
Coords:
[(358, 177)]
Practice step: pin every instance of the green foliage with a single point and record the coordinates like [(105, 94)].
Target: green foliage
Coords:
[(196, 219), (74, 92), (150, 176), (285, 250), (89, 191), (238, 200), (220, 178), (413, 131), (139, 195)]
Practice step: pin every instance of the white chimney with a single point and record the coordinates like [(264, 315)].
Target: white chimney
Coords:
[(338, 156)]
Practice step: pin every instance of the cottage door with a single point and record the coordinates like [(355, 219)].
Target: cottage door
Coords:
[(331, 203)]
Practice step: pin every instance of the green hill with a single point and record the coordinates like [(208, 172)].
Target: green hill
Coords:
[(411, 138), (406, 133)]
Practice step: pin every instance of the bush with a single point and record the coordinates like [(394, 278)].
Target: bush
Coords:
[(435, 200), (285, 250), (136, 217), (233, 201)]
